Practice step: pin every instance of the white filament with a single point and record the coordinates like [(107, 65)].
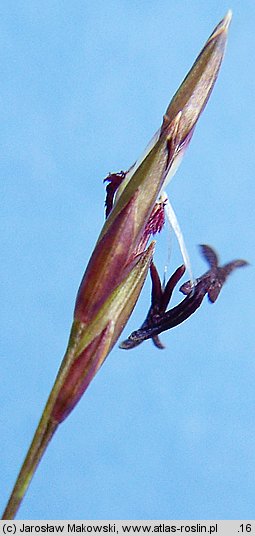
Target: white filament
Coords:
[(172, 219)]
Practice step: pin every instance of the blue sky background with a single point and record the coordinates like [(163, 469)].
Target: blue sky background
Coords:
[(159, 434)]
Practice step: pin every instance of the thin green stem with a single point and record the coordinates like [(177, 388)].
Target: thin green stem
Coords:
[(38, 446), (45, 430)]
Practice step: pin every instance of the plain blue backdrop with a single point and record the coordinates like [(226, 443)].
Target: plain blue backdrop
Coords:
[(159, 434)]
